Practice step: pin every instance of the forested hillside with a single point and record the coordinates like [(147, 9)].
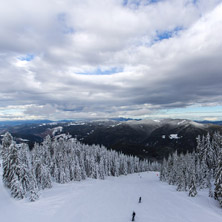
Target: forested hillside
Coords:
[(61, 159), (153, 139), (197, 170)]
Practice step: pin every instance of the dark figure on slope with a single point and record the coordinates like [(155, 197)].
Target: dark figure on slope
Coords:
[(133, 216), (140, 200)]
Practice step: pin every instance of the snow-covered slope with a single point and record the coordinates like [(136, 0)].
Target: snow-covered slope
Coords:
[(111, 200)]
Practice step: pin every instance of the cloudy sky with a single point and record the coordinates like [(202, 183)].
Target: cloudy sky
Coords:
[(73, 59)]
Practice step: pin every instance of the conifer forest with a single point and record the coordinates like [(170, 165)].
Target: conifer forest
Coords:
[(61, 159), (197, 170)]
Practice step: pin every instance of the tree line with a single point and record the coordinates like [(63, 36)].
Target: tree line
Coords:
[(197, 170), (61, 159)]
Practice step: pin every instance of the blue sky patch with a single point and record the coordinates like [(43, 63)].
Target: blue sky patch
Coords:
[(167, 34), (27, 57), (65, 28), (103, 72), (139, 2), (125, 2), (198, 110)]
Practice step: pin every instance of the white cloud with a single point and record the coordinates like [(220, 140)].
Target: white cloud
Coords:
[(70, 37)]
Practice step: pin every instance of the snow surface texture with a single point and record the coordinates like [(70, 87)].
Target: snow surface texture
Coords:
[(174, 136), (111, 200)]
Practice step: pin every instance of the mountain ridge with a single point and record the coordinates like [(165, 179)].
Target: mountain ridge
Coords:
[(153, 139)]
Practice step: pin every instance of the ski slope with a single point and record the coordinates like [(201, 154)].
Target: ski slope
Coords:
[(111, 200)]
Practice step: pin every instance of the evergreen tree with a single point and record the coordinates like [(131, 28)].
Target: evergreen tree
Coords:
[(13, 177), (7, 141), (192, 188), (218, 180), (60, 159), (16, 188), (199, 169)]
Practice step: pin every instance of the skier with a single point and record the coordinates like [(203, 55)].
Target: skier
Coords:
[(133, 216), (140, 200)]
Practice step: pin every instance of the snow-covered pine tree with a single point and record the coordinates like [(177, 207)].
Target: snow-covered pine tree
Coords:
[(6, 146), (210, 162), (101, 168), (26, 177), (77, 170), (116, 167), (181, 174), (40, 168), (13, 177), (192, 188), (61, 159), (163, 171), (218, 180), (125, 165), (16, 188), (197, 170), (217, 146)]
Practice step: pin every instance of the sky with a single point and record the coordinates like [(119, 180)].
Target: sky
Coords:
[(77, 59)]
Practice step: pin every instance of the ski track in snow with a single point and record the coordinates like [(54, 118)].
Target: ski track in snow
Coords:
[(111, 200)]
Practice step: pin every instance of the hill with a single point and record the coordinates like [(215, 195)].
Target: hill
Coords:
[(152, 139)]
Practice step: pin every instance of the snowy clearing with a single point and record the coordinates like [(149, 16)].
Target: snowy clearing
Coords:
[(113, 199), (174, 136)]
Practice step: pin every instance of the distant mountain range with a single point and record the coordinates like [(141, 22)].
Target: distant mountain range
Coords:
[(153, 139), (210, 122), (120, 119), (25, 122), (21, 122)]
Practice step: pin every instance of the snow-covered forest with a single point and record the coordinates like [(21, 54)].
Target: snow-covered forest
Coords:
[(61, 159), (198, 170)]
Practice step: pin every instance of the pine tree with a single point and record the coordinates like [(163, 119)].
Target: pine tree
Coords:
[(77, 171), (40, 168), (33, 195), (218, 180), (16, 188), (125, 170), (101, 169), (82, 166), (197, 170), (7, 141), (163, 171), (192, 188), (13, 178), (62, 159)]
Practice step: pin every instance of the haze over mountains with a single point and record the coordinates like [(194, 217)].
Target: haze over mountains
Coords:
[(152, 139)]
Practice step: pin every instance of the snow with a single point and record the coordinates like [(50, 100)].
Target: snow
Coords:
[(174, 136), (52, 124), (76, 124), (118, 124), (163, 136), (111, 200), (91, 132), (199, 125), (181, 122), (23, 140), (143, 121), (57, 130)]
